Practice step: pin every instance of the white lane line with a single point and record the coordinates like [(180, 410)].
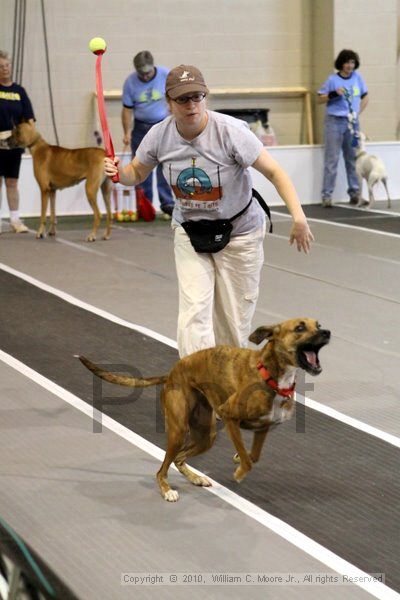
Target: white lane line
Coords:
[(86, 247), (347, 340), (117, 259), (345, 225), (387, 437), (334, 284), (89, 307), (335, 414), (376, 211), (285, 531), (4, 588), (344, 251)]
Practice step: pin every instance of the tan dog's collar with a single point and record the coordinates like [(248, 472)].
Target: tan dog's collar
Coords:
[(35, 141), (266, 375)]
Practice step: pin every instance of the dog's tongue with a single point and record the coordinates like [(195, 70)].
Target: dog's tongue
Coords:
[(311, 357)]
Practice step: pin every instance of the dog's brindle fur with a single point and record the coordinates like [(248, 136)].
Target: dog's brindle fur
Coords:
[(56, 168), (225, 380)]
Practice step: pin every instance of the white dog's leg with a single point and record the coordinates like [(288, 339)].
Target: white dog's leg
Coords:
[(370, 195), (361, 201), (384, 181)]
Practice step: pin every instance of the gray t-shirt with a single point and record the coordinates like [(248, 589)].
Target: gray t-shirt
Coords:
[(209, 175)]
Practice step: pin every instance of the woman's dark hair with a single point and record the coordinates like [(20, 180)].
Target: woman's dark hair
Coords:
[(344, 56)]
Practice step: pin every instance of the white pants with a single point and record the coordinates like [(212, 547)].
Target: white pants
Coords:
[(217, 292)]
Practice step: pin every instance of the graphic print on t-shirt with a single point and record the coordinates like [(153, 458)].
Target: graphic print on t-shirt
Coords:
[(10, 96), (150, 95), (194, 189)]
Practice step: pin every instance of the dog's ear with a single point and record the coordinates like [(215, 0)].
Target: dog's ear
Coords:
[(262, 333)]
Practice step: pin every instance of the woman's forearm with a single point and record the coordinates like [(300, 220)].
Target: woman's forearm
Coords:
[(132, 174), (287, 192), (128, 175)]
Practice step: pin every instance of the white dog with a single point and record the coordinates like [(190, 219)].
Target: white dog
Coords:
[(372, 169)]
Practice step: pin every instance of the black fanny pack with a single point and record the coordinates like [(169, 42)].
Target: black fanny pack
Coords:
[(212, 235)]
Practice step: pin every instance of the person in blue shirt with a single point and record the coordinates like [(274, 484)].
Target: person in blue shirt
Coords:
[(345, 96), (144, 96), (15, 106)]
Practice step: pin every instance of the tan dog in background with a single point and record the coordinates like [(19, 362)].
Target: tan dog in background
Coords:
[(248, 389), (56, 168)]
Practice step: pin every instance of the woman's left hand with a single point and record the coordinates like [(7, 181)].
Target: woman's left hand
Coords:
[(301, 234)]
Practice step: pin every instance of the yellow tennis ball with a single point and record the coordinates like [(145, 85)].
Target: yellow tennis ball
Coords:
[(97, 45), (120, 216)]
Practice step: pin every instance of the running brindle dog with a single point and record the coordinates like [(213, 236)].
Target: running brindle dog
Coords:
[(56, 168), (246, 388)]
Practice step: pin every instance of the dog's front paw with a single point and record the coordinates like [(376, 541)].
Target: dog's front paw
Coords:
[(91, 238), (171, 496), (240, 474), (40, 235)]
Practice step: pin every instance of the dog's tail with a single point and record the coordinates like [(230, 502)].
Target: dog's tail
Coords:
[(121, 379)]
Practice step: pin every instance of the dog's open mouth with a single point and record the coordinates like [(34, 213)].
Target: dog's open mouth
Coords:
[(307, 356)]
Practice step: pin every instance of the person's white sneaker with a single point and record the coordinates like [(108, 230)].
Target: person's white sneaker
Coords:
[(18, 227)]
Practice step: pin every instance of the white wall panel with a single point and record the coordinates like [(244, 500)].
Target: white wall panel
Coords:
[(302, 163)]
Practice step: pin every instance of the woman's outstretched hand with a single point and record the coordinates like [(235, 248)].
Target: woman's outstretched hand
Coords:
[(301, 234)]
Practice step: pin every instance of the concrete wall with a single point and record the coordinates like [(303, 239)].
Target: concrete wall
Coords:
[(322, 50), (257, 43), (371, 29), (237, 43)]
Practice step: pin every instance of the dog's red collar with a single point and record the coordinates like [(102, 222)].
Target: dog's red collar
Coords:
[(265, 374)]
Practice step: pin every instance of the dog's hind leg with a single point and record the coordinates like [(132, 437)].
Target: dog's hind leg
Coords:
[(176, 421), (91, 193), (202, 427), (53, 219), (42, 227), (106, 191), (360, 188), (372, 180), (384, 181)]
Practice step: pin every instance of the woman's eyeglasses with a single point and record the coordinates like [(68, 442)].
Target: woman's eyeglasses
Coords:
[(194, 97)]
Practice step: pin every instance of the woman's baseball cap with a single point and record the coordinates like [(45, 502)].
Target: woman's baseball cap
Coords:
[(184, 80)]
